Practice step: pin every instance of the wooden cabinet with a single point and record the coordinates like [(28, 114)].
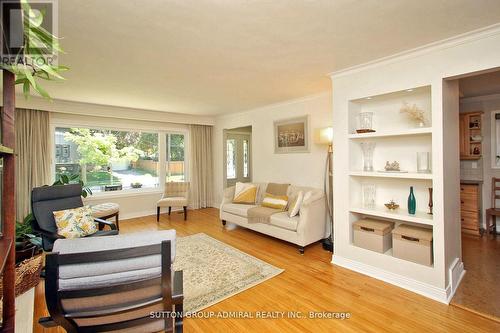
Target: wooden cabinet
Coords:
[(470, 208), (470, 136)]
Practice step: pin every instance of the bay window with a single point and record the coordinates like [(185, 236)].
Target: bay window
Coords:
[(113, 160)]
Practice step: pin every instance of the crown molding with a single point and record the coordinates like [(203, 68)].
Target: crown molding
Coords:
[(422, 50)]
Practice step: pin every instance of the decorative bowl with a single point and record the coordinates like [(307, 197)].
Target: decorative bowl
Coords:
[(392, 205)]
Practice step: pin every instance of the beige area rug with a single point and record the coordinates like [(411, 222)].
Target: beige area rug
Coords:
[(214, 271)]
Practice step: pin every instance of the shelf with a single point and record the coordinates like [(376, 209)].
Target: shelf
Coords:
[(399, 214), (406, 175), (6, 150), (404, 132)]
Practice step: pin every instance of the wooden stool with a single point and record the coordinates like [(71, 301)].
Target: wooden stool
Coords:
[(107, 210)]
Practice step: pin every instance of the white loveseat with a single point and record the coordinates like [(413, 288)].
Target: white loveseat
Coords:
[(306, 228)]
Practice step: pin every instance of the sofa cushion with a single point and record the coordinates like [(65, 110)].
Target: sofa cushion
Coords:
[(237, 209), (283, 221), (75, 223), (245, 193), (275, 201)]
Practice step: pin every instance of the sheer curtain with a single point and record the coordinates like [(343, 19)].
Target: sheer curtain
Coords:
[(32, 156), (201, 163)]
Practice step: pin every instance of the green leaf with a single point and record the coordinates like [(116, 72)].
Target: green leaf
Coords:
[(26, 89), (65, 179), (42, 92)]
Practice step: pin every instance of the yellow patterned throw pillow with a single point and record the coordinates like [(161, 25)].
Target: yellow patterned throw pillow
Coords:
[(275, 201), (75, 223), (245, 193)]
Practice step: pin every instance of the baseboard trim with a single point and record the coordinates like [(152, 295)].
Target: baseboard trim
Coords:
[(424, 289), (456, 274)]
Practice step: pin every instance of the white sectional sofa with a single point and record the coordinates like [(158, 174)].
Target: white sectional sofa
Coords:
[(306, 228)]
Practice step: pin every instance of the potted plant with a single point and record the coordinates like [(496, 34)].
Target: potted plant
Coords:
[(136, 185), (28, 244)]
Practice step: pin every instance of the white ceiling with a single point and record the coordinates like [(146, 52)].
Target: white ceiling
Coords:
[(219, 56)]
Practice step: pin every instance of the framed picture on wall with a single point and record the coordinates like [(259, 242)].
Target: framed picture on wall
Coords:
[(291, 135)]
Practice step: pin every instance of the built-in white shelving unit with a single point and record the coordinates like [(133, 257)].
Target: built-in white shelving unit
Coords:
[(389, 133), (399, 214), (401, 175), (396, 138)]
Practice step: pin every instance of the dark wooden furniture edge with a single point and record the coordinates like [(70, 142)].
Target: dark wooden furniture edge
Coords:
[(5, 248)]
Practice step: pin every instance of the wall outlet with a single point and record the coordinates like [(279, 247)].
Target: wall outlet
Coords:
[(474, 165)]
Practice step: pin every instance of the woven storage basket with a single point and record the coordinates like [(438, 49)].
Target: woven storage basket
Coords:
[(27, 275)]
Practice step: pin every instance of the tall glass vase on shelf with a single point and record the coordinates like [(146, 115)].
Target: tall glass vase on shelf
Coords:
[(369, 195), (367, 148)]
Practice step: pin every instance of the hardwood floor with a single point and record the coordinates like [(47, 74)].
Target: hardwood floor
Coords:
[(479, 290), (309, 283)]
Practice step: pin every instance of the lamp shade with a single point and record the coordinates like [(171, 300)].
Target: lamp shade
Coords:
[(323, 136)]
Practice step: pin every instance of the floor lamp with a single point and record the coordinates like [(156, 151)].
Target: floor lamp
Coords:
[(325, 137)]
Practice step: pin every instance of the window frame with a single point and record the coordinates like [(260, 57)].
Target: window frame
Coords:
[(162, 152)]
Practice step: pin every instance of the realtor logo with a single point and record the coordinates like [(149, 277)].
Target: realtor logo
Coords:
[(28, 29)]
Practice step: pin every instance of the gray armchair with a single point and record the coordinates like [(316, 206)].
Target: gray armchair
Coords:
[(48, 199), (119, 283)]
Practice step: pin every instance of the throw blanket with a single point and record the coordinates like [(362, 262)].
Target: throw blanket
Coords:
[(261, 214)]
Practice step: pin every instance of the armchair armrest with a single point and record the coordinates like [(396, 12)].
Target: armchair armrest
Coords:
[(177, 288), (103, 223), (48, 234), (47, 322)]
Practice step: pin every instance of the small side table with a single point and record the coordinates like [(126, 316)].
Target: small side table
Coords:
[(106, 211)]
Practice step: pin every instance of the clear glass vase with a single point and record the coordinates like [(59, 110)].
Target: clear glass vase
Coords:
[(367, 148), (424, 162), (365, 120), (369, 195)]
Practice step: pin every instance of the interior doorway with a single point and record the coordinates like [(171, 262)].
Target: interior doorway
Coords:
[(237, 155), (479, 141)]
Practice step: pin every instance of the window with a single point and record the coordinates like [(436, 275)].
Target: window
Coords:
[(231, 158), (108, 160), (175, 158), (245, 158)]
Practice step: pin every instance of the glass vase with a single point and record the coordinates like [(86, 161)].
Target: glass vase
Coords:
[(424, 162), (367, 148), (365, 121), (369, 195)]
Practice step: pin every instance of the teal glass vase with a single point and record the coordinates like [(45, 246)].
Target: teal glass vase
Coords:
[(412, 202)]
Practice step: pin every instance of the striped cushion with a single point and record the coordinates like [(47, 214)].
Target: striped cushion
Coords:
[(275, 201), (245, 193)]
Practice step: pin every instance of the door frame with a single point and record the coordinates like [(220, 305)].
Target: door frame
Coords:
[(224, 153)]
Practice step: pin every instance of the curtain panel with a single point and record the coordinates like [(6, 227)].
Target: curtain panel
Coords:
[(33, 155), (201, 162)]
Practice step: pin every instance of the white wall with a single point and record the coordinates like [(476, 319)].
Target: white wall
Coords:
[(425, 66), (487, 104), (304, 169)]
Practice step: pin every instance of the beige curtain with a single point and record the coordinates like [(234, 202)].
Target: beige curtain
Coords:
[(32, 156), (201, 166)]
